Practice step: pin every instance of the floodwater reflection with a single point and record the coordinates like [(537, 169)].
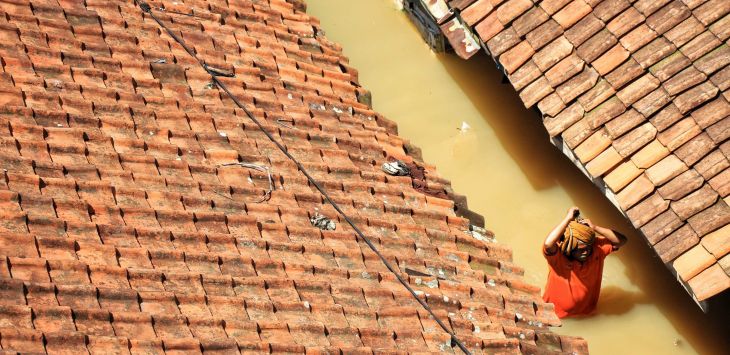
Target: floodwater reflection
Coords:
[(512, 175)]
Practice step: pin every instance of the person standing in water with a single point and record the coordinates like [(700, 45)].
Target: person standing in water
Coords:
[(575, 250)]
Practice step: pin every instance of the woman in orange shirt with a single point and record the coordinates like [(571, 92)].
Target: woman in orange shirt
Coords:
[(575, 250)]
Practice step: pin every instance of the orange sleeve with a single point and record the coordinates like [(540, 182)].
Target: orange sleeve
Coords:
[(551, 258), (605, 246)]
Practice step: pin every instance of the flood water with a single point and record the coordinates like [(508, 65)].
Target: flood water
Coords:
[(513, 176)]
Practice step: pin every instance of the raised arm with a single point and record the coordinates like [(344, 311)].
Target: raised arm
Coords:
[(551, 240), (616, 238)]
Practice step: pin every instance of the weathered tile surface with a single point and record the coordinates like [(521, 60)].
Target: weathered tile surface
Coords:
[(124, 228)]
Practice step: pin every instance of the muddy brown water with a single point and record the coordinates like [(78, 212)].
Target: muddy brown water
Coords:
[(511, 174)]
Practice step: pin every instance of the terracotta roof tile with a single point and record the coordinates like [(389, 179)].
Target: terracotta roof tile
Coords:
[(716, 242), (534, 92), (552, 6), (596, 95), (668, 17), (511, 9), (695, 202), (476, 11), (635, 191), (551, 105), (676, 243), (710, 282), (516, 56), (661, 226), (489, 27), (710, 219), (647, 209), (693, 262), (544, 34), (524, 75), (634, 140)]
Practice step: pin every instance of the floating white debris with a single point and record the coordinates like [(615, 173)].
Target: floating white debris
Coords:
[(223, 134), (491, 282), (446, 298), (464, 127), (289, 96), (398, 4), (476, 329), (432, 284), (306, 304)]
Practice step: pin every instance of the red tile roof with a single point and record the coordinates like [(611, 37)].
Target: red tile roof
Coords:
[(636, 94), (125, 228)]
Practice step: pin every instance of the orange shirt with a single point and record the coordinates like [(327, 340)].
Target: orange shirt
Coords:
[(572, 286)]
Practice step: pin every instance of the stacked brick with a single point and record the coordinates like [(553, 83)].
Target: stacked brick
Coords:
[(637, 91), (123, 230)]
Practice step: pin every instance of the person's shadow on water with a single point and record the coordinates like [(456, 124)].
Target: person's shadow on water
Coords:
[(615, 300)]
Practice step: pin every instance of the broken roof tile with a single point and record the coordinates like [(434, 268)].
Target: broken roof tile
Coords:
[(695, 202), (717, 242)]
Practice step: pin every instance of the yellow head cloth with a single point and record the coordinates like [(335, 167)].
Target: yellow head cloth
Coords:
[(576, 232)]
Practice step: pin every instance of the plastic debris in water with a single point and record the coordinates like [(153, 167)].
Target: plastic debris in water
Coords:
[(160, 61), (464, 127), (396, 168), (322, 222)]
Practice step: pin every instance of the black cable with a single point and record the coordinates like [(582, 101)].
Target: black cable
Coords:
[(214, 75)]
